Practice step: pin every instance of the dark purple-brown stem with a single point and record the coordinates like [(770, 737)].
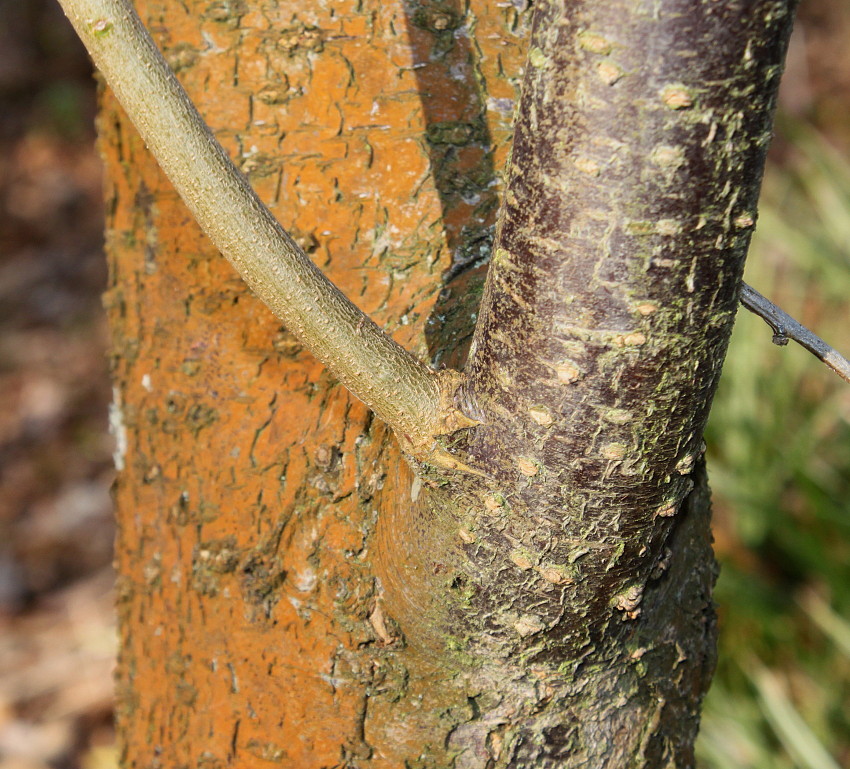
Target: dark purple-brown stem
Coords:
[(582, 564)]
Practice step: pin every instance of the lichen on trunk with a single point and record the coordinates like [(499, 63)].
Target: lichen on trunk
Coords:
[(292, 590), (577, 565)]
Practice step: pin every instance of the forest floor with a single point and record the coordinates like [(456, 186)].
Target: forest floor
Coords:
[(57, 637)]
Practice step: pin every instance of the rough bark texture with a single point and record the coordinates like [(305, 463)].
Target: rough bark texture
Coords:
[(292, 592), (579, 580), (252, 633)]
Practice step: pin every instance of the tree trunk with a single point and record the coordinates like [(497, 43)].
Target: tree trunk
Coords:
[(292, 591)]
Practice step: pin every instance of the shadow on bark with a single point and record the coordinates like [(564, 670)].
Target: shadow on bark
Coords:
[(460, 148)]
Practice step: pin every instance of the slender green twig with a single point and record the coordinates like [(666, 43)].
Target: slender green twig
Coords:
[(399, 388), (785, 328)]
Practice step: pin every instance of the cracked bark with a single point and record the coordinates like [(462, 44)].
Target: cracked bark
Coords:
[(291, 591)]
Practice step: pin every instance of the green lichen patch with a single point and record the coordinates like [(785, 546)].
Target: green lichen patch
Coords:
[(453, 132), (537, 58)]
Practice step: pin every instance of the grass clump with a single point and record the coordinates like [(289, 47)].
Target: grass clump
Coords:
[(779, 461)]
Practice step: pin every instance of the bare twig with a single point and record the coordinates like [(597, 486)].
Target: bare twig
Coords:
[(785, 328)]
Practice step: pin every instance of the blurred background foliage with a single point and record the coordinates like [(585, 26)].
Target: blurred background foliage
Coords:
[(56, 621), (778, 440), (779, 443), (779, 463)]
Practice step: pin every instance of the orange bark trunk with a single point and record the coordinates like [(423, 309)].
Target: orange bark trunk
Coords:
[(252, 629)]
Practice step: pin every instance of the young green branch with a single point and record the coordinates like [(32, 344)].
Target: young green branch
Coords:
[(405, 393), (785, 328)]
